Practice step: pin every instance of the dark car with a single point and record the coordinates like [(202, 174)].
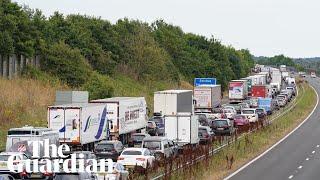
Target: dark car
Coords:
[(136, 139), (261, 113), (222, 127), (159, 120), (109, 149), (205, 134)]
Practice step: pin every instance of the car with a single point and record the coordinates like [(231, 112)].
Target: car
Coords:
[(229, 112), (75, 176), (281, 101), (152, 128), (240, 120), (244, 105), (287, 93), (6, 177), (202, 118), (217, 113), (261, 113), (313, 75), (119, 173), (108, 149), (174, 148), (131, 157), (236, 107), (136, 139), (19, 158), (205, 134), (158, 145), (159, 120), (283, 96), (222, 127), (275, 104), (251, 114), (293, 90)]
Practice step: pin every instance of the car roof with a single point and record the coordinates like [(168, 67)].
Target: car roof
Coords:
[(154, 138), (135, 149)]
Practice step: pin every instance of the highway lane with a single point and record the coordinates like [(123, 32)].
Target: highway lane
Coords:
[(297, 157)]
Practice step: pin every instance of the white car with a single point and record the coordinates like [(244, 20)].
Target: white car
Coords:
[(19, 157), (251, 114), (119, 173), (229, 111), (131, 157)]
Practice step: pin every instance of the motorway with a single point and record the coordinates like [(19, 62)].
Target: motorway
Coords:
[(296, 157)]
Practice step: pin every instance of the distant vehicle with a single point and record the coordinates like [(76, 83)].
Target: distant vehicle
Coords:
[(131, 157), (217, 114), (240, 120), (236, 107), (313, 75), (293, 90), (152, 129), (108, 149), (159, 120), (266, 104), (251, 114), (202, 118), (284, 96), (229, 112), (261, 113), (207, 97), (287, 94), (19, 159), (238, 90), (17, 138), (158, 145), (222, 127), (75, 176), (136, 139), (174, 147), (205, 134), (281, 101), (119, 173)]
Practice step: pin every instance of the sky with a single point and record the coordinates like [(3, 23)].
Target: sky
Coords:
[(265, 27)]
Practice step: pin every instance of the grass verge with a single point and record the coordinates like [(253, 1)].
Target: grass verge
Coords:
[(253, 144)]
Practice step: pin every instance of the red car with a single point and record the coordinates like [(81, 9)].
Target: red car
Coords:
[(240, 120)]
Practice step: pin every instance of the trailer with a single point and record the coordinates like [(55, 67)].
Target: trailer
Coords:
[(260, 91), (283, 68), (249, 83), (126, 115), (182, 128), (238, 90), (17, 139), (207, 97), (171, 102), (266, 103), (80, 125)]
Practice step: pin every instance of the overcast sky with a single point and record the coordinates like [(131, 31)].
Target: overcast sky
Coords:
[(265, 27)]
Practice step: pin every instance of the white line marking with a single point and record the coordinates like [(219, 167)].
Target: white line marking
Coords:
[(313, 152), (307, 159), (281, 140), (290, 177), (318, 145), (300, 167)]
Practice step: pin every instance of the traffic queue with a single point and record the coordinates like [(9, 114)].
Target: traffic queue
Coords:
[(119, 128)]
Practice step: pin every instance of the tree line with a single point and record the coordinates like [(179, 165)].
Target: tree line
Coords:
[(82, 50)]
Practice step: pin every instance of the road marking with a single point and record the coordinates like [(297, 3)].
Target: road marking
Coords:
[(318, 145), (276, 144), (313, 152), (290, 177), (307, 159), (300, 167)]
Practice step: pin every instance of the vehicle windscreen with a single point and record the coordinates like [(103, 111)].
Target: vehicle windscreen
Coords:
[(220, 123), (4, 157), (152, 145), (247, 111), (131, 153), (108, 147), (138, 137)]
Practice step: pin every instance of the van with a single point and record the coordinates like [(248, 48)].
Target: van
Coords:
[(158, 145), (251, 114)]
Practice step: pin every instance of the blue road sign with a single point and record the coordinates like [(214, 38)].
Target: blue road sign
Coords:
[(205, 82)]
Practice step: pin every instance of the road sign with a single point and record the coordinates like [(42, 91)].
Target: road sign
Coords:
[(204, 82)]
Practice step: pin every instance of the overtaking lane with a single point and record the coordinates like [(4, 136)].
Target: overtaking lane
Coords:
[(285, 160)]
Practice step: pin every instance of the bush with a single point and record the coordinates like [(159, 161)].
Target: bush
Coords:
[(99, 86)]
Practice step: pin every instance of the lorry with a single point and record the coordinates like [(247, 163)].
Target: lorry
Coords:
[(17, 139), (283, 68), (249, 83), (182, 128), (313, 74), (80, 125), (171, 102), (267, 104), (266, 77), (291, 81), (207, 97), (276, 79), (238, 90), (260, 91), (284, 75), (126, 115)]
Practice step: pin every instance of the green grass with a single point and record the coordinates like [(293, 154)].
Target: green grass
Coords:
[(253, 144)]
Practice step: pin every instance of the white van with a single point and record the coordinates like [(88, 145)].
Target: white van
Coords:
[(251, 114)]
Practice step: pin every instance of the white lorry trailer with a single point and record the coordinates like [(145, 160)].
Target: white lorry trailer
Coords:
[(17, 139), (171, 102), (79, 125), (125, 115), (276, 80), (207, 97), (182, 128), (238, 90), (283, 68)]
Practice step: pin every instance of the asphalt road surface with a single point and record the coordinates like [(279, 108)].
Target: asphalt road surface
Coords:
[(297, 157)]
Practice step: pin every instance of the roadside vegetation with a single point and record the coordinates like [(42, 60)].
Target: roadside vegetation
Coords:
[(251, 145)]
